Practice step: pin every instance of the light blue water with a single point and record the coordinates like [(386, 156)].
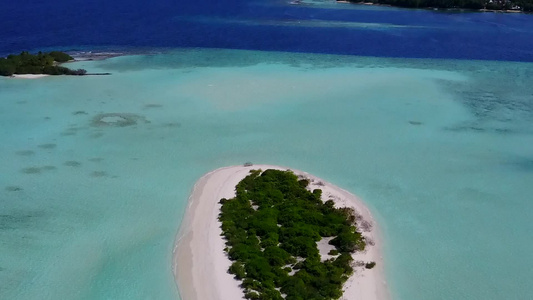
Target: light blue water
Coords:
[(441, 150)]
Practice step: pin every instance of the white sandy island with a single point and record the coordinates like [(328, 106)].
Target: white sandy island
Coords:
[(200, 264), (29, 76)]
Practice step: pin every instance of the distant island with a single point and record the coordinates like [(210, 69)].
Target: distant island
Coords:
[(489, 5), (272, 227), (40, 63)]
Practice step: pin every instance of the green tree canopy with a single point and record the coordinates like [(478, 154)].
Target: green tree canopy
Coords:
[(272, 227), (40, 63)]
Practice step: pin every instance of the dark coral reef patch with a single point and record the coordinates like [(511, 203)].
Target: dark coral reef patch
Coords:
[(117, 120)]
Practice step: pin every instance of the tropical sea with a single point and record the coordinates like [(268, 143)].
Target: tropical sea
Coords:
[(426, 115)]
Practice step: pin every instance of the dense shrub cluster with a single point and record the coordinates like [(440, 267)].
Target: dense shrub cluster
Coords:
[(271, 229), (41, 63), (60, 57)]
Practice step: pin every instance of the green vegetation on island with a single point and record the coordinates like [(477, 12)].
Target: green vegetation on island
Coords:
[(507, 5), (272, 227), (41, 63)]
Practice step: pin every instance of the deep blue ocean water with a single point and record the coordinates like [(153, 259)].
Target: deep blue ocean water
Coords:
[(264, 25)]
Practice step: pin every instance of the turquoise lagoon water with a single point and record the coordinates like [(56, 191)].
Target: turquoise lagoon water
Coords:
[(441, 150)]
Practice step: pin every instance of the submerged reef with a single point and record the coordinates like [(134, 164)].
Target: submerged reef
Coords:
[(117, 120), (25, 152), (47, 146), (99, 174), (13, 188), (72, 163), (37, 170)]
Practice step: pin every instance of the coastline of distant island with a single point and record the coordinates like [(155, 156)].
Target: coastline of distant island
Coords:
[(505, 6), (32, 66), (203, 254)]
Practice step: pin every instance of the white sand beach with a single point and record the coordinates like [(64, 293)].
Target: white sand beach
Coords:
[(29, 76), (200, 265)]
